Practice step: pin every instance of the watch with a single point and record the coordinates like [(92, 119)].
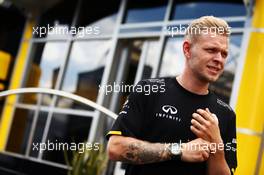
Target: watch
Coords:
[(176, 151)]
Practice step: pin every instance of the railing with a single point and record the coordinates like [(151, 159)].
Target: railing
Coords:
[(64, 94)]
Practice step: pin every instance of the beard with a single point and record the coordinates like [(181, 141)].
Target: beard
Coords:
[(206, 77)]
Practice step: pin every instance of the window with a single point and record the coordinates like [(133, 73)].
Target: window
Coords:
[(138, 11), (84, 71), (197, 9), (61, 14), (151, 60), (72, 63), (48, 59), (21, 128), (98, 15), (173, 59), (72, 129)]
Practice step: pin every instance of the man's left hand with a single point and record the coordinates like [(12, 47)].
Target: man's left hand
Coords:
[(205, 126)]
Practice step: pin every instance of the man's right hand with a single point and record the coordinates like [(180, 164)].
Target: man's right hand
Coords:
[(195, 151)]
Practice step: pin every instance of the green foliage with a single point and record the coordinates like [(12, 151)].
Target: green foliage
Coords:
[(88, 162)]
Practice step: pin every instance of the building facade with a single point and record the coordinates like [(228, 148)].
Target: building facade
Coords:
[(81, 47)]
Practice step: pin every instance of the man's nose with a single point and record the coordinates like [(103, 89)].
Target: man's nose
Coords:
[(218, 57)]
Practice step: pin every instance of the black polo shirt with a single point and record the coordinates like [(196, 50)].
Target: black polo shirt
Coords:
[(164, 116)]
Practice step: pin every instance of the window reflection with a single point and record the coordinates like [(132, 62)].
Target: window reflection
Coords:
[(21, 128), (173, 59), (145, 11), (66, 129), (39, 131), (130, 51), (194, 10), (102, 15), (85, 69), (131, 54), (43, 72), (151, 58), (106, 25), (143, 30), (51, 17)]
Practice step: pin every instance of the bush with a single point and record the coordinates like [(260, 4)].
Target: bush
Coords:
[(89, 162)]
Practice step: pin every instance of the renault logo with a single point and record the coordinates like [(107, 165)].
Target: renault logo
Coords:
[(169, 109)]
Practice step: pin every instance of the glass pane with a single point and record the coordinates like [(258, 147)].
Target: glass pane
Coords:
[(197, 9), (38, 134), (98, 17), (127, 59), (104, 26), (84, 71), (44, 70), (236, 24), (173, 63), (141, 30), (145, 11), (151, 59), (19, 132), (67, 130), (173, 59), (20, 128), (61, 14)]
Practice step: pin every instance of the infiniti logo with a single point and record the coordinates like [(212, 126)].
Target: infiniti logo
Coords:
[(168, 112), (169, 109)]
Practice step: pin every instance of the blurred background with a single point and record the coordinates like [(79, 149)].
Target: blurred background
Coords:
[(121, 41)]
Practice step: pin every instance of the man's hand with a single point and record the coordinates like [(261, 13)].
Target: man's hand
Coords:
[(195, 151), (205, 126)]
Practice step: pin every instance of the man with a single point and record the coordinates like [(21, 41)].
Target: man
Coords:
[(185, 129)]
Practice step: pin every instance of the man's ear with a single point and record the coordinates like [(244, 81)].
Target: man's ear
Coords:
[(187, 48)]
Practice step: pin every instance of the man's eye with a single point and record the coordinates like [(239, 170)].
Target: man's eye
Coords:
[(210, 50), (224, 55)]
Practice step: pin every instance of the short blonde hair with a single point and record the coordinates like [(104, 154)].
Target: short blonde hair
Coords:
[(207, 24)]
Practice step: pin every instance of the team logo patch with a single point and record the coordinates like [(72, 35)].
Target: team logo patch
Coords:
[(169, 109), (168, 112)]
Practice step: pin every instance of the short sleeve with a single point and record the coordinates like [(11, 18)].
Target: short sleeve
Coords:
[(231, 144), (131, 118)]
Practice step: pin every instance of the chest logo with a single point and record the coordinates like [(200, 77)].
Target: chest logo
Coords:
[(169, 109), (168, 112)]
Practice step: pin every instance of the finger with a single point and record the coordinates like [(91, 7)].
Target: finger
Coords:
[(213, 115), (196, 132), (205, 155), (207, 116), (205, 146), (207, 109), (198, 125), (207, 149), (200, 119), (215, 118)]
